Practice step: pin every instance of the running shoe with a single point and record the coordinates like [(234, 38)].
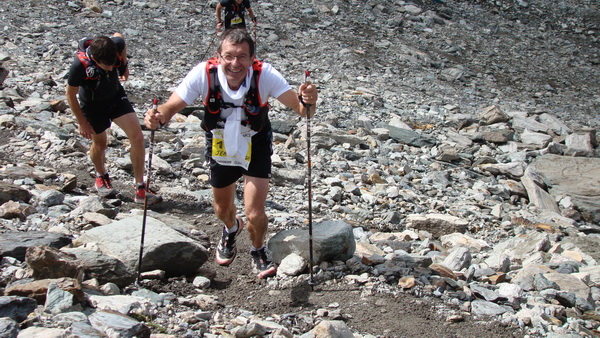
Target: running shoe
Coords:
[(226, 250), (104, 187), (262, 264), (141, 195)]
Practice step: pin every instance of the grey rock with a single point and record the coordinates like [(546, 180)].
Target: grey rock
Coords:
[(59, 301), (164, 248), (542, 283), (409, 137), (32, 332), (119, 324), (528, 124), (15, 307), (437, 224), (485, 308), (332, 240), (581, 182), (9, 328), (537, 190), (485, 293), (104, 268), (458, 258), (15, 244), (429, 83)]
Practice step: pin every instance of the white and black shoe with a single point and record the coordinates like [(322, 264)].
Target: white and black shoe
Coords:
[(226, 250)]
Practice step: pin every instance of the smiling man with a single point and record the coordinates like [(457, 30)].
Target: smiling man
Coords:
[(235, 88)]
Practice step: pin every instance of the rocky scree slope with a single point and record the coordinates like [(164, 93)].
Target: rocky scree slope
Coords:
[(374, 62)]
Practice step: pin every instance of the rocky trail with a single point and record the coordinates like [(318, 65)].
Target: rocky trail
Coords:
[(456, 175)]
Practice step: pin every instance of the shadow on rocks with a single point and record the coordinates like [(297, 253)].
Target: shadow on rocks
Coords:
[(300, 294)]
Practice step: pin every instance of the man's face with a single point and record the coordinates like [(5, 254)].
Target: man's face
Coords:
[(235, 59), (238, 2), (105, 67)]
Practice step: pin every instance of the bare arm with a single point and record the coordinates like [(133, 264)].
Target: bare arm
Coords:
[(124, 76), (85, 129), (124, 60), (218, 13), (309, 96), (252, 16), (165, 111)]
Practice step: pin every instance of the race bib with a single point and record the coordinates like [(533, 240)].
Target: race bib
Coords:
[(239, 159), (236, 20)]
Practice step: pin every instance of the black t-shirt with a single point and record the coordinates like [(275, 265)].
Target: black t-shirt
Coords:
[(229, 4), (106, 88), (234, 13)]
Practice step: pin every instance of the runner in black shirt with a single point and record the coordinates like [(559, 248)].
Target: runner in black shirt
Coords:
[(95, 74), (234, 13)]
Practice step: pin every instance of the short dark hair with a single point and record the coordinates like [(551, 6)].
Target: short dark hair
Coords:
[(104, 50), (237, 36)]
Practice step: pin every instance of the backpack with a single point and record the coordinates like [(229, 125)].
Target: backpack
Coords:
[(90, 68), (256, 112), (91, 72)]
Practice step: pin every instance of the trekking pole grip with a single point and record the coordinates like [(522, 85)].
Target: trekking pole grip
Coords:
[(307, 80)]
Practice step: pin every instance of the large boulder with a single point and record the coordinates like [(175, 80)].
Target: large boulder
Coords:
[(332, 240), (577, 177), (164, 248)]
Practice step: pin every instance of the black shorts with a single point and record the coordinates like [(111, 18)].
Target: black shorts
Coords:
[(100, 117), (260, 162)]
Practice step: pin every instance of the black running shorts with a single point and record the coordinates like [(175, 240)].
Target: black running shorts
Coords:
[(222, 176), (100, 117)]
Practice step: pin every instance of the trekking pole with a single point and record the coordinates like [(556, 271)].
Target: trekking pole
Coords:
[(255, 41), (149, 170), (311, 282), (209, 45)]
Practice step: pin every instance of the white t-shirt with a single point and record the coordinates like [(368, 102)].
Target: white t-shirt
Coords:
[(195, 84)]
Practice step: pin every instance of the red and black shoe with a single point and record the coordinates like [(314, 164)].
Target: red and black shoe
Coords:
[(104, 187), (141, 195)]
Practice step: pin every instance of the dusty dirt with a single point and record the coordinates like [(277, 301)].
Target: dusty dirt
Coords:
[(389, 313), (384, 312)]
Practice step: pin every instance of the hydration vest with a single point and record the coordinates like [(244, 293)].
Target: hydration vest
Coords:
[(256, 112), (91, 71)]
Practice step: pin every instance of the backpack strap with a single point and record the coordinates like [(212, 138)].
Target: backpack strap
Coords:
[(214, 100), (252, 102), (90, 68), (256, 111)]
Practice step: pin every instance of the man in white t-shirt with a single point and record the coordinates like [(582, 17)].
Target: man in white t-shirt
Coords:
[(238, 133)]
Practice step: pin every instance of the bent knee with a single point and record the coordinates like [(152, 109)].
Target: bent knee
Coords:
[(256, 217), (136, 139)]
